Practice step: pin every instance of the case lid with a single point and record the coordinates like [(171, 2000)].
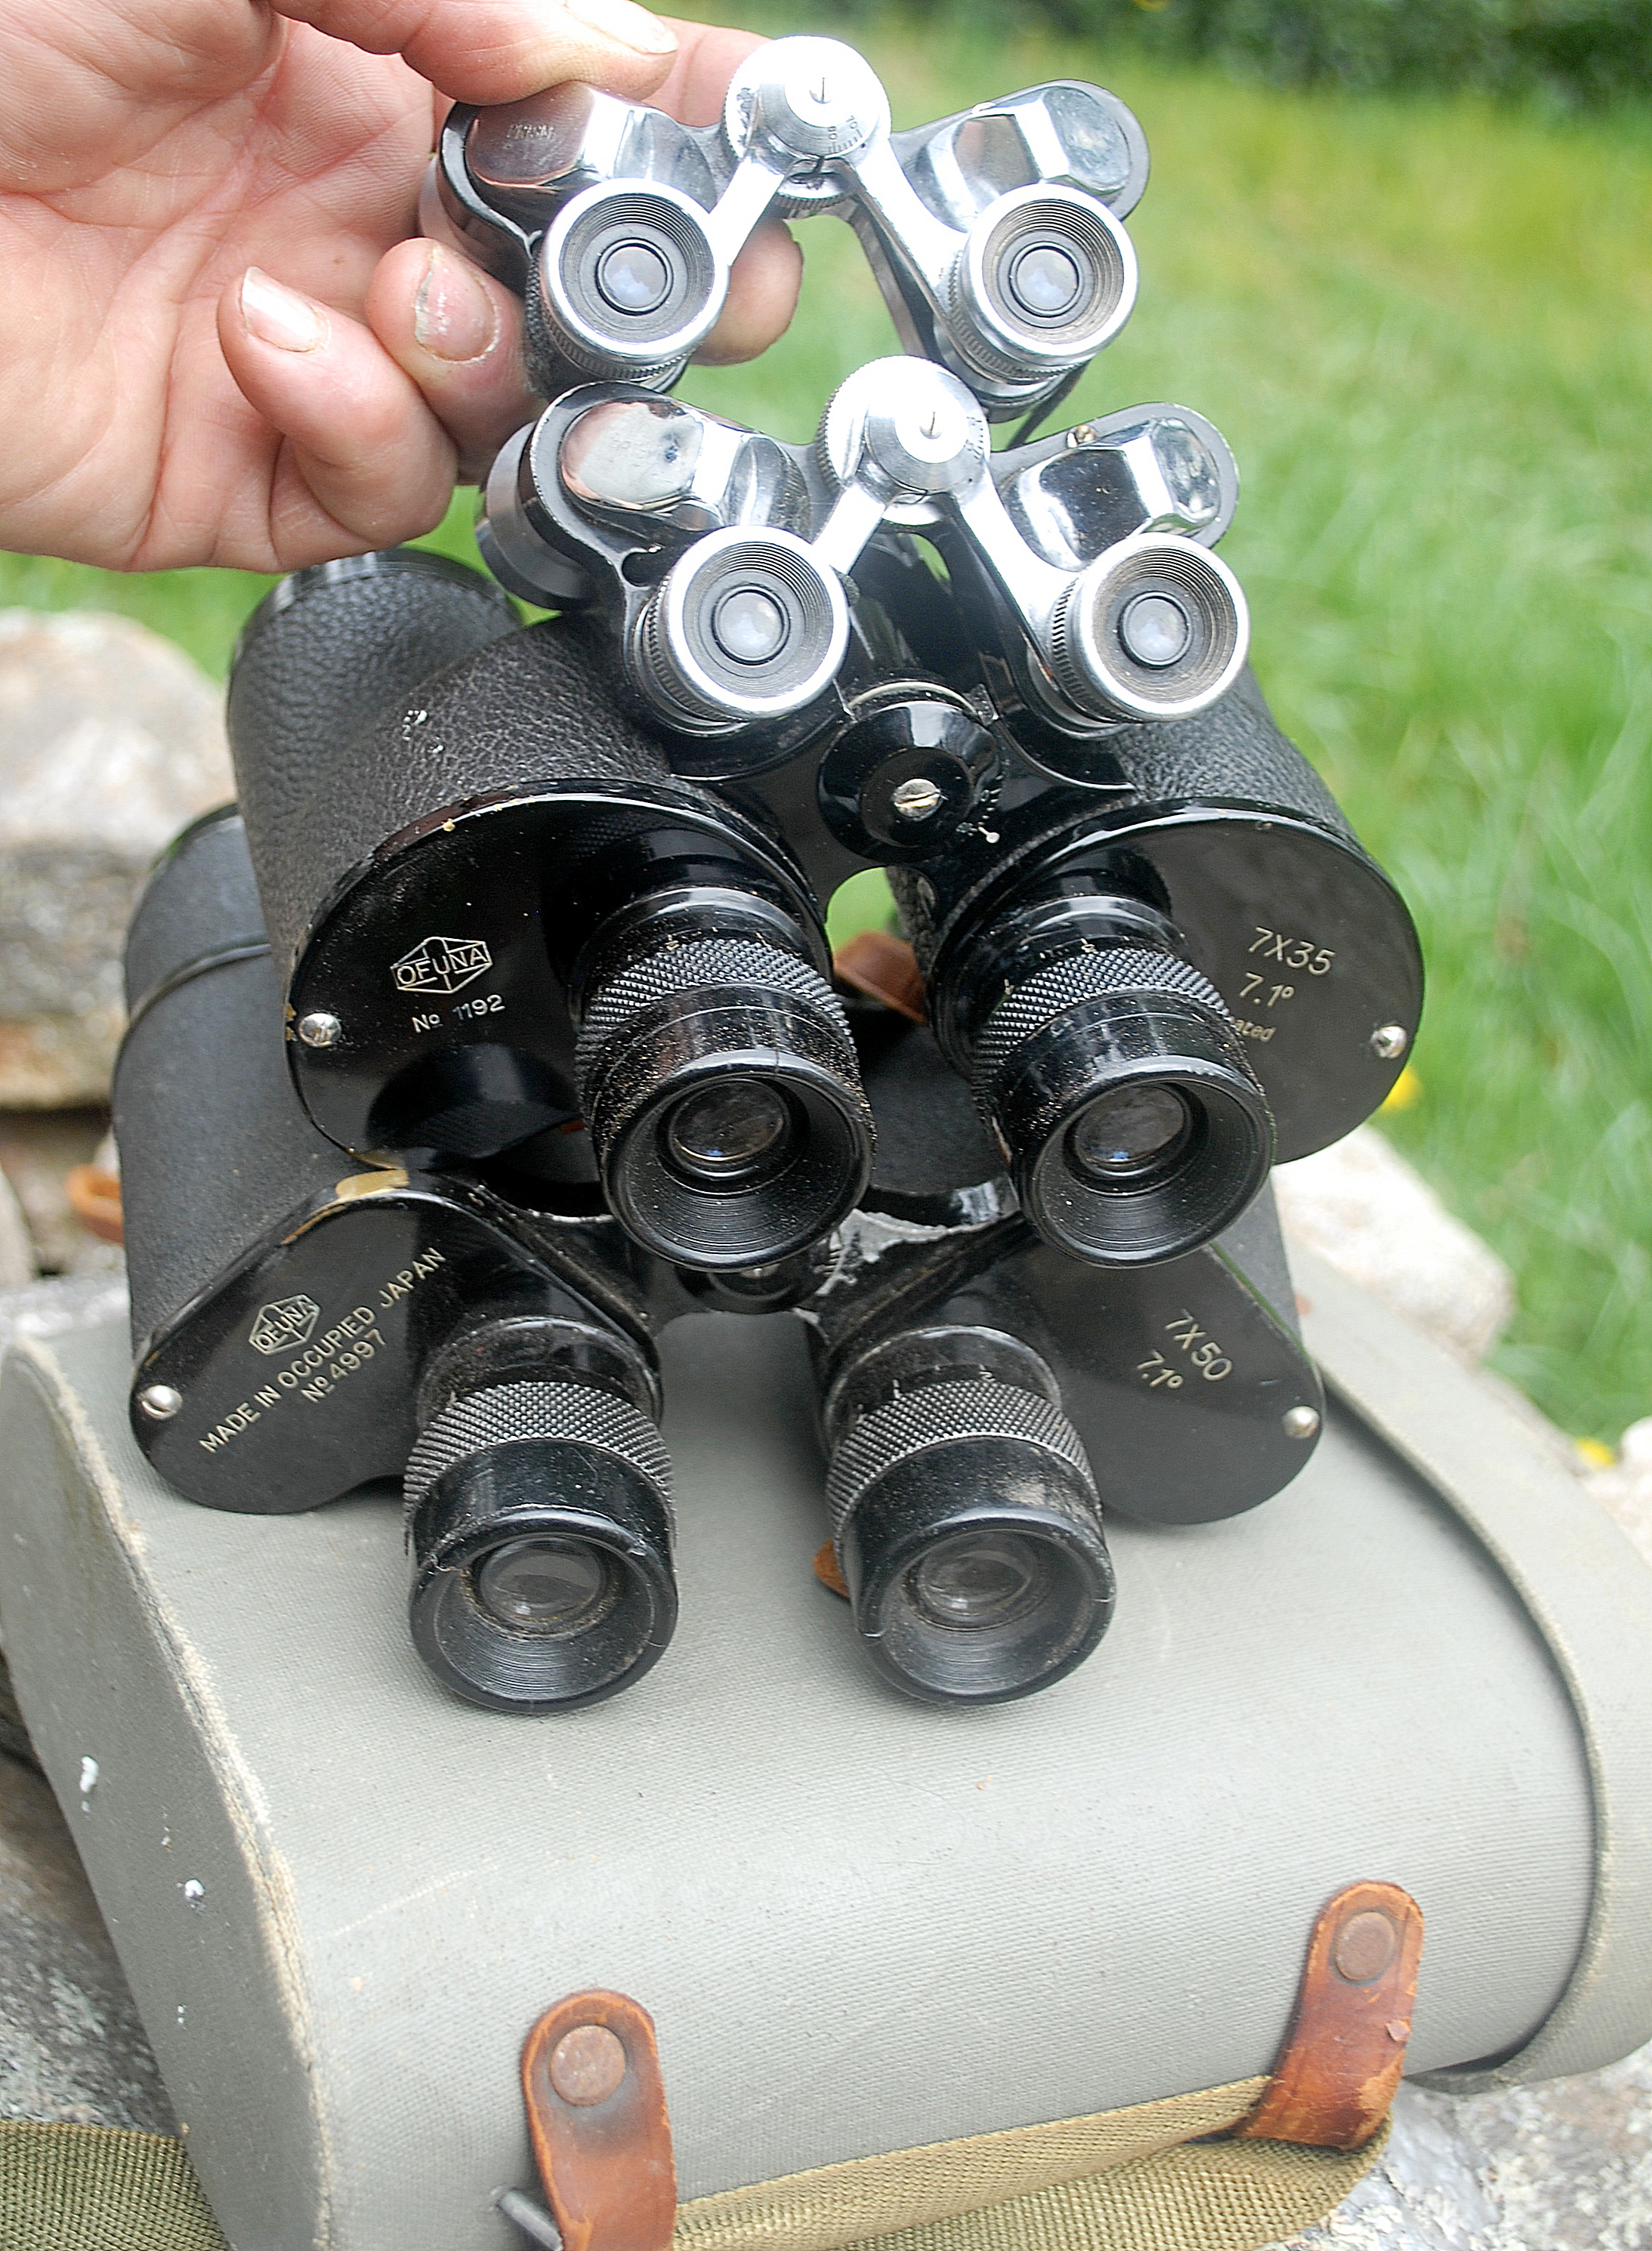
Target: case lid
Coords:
[(860, 1924)]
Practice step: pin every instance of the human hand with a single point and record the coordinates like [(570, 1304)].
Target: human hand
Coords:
[(224, 348)]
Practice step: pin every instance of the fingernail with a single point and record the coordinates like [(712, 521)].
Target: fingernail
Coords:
[(620, 20), (278, 315), (453, 316)]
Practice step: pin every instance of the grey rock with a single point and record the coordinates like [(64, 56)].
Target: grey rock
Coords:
[(110, 740), (1363, 1208), (1562, 2167)]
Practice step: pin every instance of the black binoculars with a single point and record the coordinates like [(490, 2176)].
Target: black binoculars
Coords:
[(497, 1028), (570, 1012)]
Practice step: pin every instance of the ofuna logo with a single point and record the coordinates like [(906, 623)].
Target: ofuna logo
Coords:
[(441, 964), (283, 1323)]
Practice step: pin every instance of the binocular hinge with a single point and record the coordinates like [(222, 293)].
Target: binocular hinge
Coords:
[(1345, 2050), (601, 2137)]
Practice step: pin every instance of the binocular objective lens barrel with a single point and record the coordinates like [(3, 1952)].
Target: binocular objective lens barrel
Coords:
[(1047, 277), (719, 1080), (628, 280), (970, 1536), (1155, 628), (1116, 1080), (745, 626), (541, 1523)]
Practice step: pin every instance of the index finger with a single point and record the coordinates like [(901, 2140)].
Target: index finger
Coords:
[(501, 50)]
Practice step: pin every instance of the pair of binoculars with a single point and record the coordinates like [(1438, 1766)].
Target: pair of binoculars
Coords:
[(499, 1028), (722, 561), (570, 1011), (995, 236)]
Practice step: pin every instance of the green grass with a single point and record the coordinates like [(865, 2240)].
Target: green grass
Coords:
[(1426, 327)]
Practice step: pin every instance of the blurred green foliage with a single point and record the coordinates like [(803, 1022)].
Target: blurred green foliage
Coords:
[(1569, 51), (1425, 325)]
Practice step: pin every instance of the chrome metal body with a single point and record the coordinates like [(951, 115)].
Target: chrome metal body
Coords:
[(995, 236), (1087, 556)]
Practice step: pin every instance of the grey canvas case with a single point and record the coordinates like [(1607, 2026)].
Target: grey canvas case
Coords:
[(862, 1924)]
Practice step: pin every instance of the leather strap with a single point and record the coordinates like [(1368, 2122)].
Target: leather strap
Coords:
[(597, 2116), (1343, 2054)]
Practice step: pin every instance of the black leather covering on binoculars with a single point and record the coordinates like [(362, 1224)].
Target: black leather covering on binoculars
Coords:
[(326, 649), (537, 708), (322, 786), (200, 899), (209, 1165), (1232, 754)]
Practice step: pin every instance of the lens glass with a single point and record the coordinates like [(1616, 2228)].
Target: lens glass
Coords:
[(550, 1587), (1044, 280), (976, 1580), (727, 1134), (633, 277), (1130, 1133), (749, 624), (1155, 629)]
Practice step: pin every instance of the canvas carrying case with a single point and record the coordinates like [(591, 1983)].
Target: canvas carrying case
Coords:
[(958, 1980)]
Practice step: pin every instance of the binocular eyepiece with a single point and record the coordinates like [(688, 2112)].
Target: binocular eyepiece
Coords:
[(719, 1081), (744, 628), (964, 1517), (1112, 1076), (539, 1513)]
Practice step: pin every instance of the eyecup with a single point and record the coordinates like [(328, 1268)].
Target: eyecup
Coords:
[(1092, 1024), (553, 1461), (677, 1022), (954, 1458)]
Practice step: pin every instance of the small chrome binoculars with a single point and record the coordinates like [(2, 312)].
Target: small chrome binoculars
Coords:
[(995, 236), (724, 558)]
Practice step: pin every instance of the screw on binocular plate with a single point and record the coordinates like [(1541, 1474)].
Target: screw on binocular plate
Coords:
[(1389, 1041), (159, 1401), (1364, 1946), (1300, 1423), (587, 2064), (320, 1030), (534, 2222), (917, 799), (1084, 435)]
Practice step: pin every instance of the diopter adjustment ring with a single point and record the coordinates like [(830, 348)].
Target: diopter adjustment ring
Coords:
[(941, 1414), (576, 1414), (1077, 977), (701, 966)]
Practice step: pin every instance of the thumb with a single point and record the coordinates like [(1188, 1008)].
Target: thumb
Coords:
[(501, 50)]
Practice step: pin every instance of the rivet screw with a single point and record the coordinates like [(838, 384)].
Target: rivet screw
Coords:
[(587, 2064), (917, 799), (159, 1401), (320, 1030), (1300, 1423), (1389, 1041)]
